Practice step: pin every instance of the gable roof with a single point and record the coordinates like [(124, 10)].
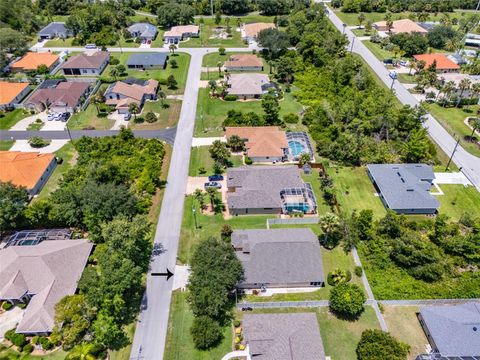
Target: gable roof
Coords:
[(454, 329), (145, 29), (252, 30), (158, 59), (243, 60), (402, 26), (279, 256), (405, 186), (262, 141), (86, 60), (260, 186), (443, 62), (10, 90), (53, 29), (248, 84), (23, 168), (65, 93), (49, 271), (178, 31), (32, 60), (294, 336), (131, 91)]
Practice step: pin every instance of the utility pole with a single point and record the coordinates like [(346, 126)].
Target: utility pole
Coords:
[(353, 42), (194, 216), (211, 7), (393, 82), (68, 130), (453, 153)]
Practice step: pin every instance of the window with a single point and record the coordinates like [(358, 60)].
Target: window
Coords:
[(84, 71)]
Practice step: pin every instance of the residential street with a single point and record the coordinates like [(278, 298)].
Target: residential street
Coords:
[(469, 164)]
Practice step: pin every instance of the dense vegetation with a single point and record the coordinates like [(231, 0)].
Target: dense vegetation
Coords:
[(379, 345), (397, 6)]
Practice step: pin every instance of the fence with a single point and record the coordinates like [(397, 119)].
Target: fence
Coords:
[(94, 90), (426, 302), (292, 221), (288, 304)]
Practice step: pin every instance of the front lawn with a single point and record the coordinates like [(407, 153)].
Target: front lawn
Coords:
[(10, 118), (458, 200), (167, 118), (179, 344), (6, 144), (130, 43), (381, 53), (200, 158), (89, 119), (452, 119), (12, 354)]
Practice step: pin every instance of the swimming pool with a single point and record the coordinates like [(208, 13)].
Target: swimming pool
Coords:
[(296, 147)]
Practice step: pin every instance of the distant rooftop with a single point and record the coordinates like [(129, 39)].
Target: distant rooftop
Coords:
[(151, 59), (54, 29)]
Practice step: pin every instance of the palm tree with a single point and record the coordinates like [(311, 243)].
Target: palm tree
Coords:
[(97, 99), (464, 85), (212, 84), (133, 108), (475, 126), (212, 193), (475, 91), (199, 195), (451, 45), (114, 72), (161, 95), (329, 223), (219, 65), (361, 18), (389, 25), (172, 48), (448, 89), (411, 66), (236, 143), (82, 352)]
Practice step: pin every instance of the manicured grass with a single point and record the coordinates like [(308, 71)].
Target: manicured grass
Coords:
[(69, 43), (452, 119), (380, 53), (402, 322), (355, 191), (180, 73), (179, 343), (56, 355), (200, 158), (6, 144), (68, 154), (215, 111), (314, 180), (89, 117), (459, 200), (10, 118), (210, 225), (406, 78), (167, 118), (35, 126)]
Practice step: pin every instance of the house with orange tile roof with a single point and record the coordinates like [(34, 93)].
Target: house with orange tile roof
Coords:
[(443, 63), (122, 93), (32, 60), (250, 31), (11, 93), (400, 27), (27, 169), (262, 143), (244, 62)]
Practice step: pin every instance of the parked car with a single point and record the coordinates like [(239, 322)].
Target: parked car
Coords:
[(215, 178), (388, 61), (127, 116), (403, 63), (50, 116), (393, 74), (213, 184), (90, 46), (65, 116)]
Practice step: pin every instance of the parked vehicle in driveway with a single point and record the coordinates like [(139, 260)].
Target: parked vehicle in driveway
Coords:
[(90, 46), (213, 184), (127, 116), (215, 178), (388, 61), (65, 116)]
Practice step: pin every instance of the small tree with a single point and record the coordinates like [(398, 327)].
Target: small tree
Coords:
[(475, 123), (304, 159), (219, 65), (329, 224), (361, 18), (150, 117), (38, 142), (219, 152), (173, 64), (162, 96), (212, 194), (114, 72), (222, 51), (212, 84), (134, 109), (206, 332), (171, 82), (379, 345), (236, 143), (199, 195), (346, 300), (172, 48), (226, 232), (121, 69), (42, 69)]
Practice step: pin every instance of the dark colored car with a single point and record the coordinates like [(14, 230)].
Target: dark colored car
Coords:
[(215, 178), (65, 116)]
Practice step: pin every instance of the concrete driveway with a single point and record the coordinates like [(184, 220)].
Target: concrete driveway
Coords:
[(207, 141), (24, 146), (23, 124), (10, 319), (119, 121)]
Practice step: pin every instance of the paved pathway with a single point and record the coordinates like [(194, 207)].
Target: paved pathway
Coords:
[(23, 145), (206, 141)]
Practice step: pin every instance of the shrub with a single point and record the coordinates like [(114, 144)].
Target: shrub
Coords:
[(150, 117), (56, 339), (35, 340), (173, 64), (9, 334), (379, 345), (346, 300), (28, 348), (248, 161), (22, 305), (38, 142), (19, 340), (291, 118), (46, 344), (230, 97), (221, 51), (236, 323), (338, 276), (113, 60), (226, 232), (206, 332), (6, 306), (202, 170), (138, 120), (358, 271), (39, 121)]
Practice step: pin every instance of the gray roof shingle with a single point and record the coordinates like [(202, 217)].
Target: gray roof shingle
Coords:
[(55, 29), (454, 329), (294, 336), (145, 29), (405, 186), (279, 256), (148, 59)]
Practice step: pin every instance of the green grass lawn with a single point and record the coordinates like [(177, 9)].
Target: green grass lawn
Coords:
[(6, 144), (87, 118), (380, 53), (167, 118), (179, 343), (452, 119), (200, 158), (355, 191), (459, 200), (180, 73), (12, 354), (69, 43), (406, 78), (10, 118), (314, 180), (215, 111)]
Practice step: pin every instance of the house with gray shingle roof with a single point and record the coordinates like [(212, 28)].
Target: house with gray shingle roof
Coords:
[(405, 188), (54, 30), (145, 61), (268, 190), (453, 331), (144, 31), (283, 336), (279, 258)]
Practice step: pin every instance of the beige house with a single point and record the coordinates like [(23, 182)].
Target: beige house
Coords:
[(122, 93), (400, 26), (244, 62), (179, 33), (249, 86), (250, 31)]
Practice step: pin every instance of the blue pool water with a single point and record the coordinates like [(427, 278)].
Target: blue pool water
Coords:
[(296, 147), (299, 207)]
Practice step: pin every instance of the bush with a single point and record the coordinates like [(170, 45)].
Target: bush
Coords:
[(6, 306), (226, 232), (291, 118), (150, 117), (230, 97), (107, 79), (19, 340), (221, 51), (22, 305), (138, 120), (113, 60), (206, 332), (56, 339), (202, 170), (236, 323), (248, 161), (173, 64), (46, 344), (35, 340), (346, 300), (38, 142), (9, 334), (358, 271), (379, 345), (338, 276), (28, 348)]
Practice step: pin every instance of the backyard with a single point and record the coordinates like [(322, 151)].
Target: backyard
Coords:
[(10, 118), (459, 200), (200, 159)]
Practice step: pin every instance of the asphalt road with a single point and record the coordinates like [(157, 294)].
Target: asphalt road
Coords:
[(469, 164)]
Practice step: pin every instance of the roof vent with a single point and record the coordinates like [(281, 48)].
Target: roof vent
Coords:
[(474, 328), (410, 189)]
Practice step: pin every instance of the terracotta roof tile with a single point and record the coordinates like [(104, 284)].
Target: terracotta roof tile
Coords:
[(10, 90), (252, 30), (32, 60), (243, 60), (443, 63), (262, 141)]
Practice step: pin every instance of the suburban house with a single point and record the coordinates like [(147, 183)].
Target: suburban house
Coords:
[(147, 61), (250, 31), (268, 190), (283, 336), (443, 63), (32, 60), (122, 93), (54, 30), (27, 169), (243, 62), (11, 93), (59, 96), (249, 86), (263, 143), (472, 40), (86, 63), (400, 26), (452, 331), (42, 274), (405, 188), (294, 258), (178, 33), (144, 31)]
